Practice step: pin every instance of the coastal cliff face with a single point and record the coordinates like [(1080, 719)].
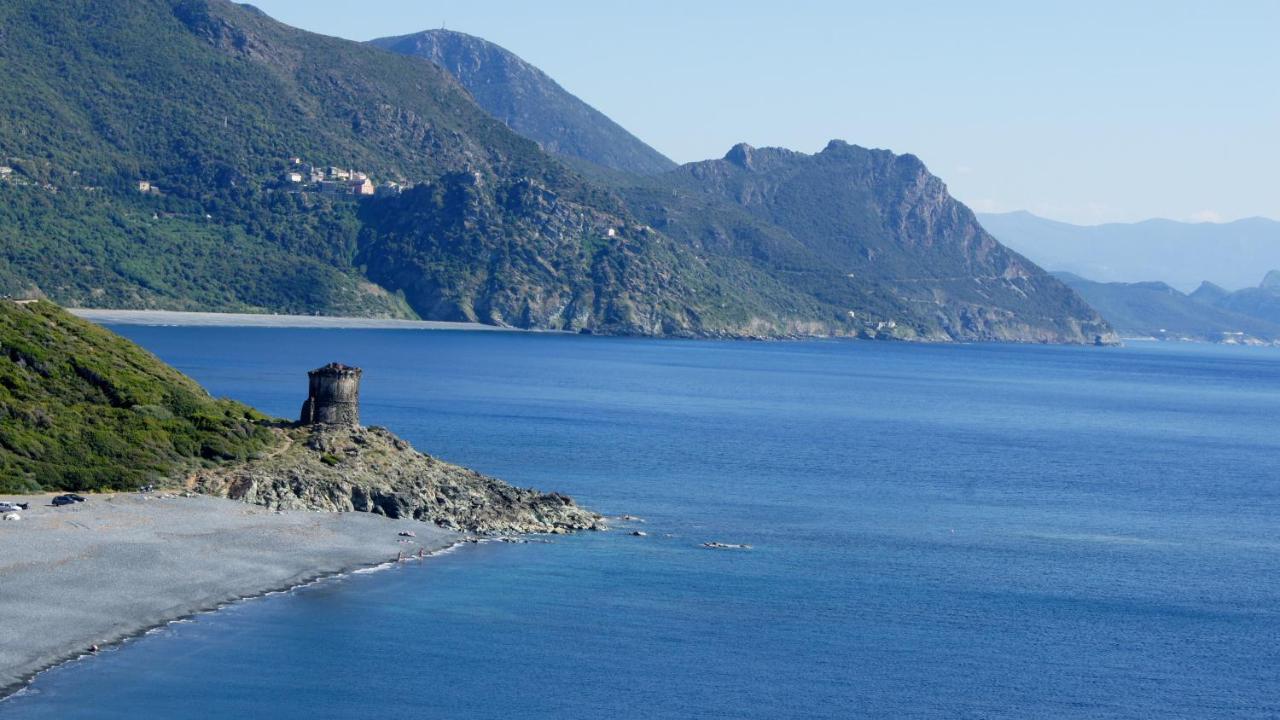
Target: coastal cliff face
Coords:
[(345, 469), (872, 238)]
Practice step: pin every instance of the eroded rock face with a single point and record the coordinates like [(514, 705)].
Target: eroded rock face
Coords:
[(372, 470)]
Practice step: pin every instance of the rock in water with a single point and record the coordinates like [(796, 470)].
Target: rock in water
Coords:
[(371, 470)]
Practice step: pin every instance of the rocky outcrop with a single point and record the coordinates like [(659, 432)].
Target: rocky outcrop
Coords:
[(371, 470)]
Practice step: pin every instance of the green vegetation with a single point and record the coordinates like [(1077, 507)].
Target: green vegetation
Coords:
[(94, 250), (208, 100), (81, 408)]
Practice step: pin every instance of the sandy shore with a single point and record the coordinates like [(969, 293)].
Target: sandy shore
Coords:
[(207, 319), (104, 570)]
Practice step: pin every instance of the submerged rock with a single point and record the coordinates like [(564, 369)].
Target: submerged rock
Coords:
[(725, 546), (371, 470)]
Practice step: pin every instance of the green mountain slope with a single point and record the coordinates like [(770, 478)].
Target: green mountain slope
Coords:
[(530, 102), (870, 237), (84, 409), (209, 101)]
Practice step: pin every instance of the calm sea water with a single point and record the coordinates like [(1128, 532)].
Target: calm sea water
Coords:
[(937, 532)]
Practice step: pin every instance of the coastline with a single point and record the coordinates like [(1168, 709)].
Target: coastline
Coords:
[(117, 566), (215, 319)]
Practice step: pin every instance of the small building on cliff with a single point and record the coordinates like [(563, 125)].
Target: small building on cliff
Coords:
[(333, 396)]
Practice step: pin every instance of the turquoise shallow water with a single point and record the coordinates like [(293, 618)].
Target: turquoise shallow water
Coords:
[(939, 532)]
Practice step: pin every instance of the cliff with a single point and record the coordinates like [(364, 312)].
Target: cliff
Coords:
[(866, 242)]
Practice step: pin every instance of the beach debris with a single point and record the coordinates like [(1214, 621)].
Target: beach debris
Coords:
[(639, 533), (408, 533), (12, 516), (725, 546)]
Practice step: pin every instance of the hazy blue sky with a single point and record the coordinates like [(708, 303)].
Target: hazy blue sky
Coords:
[(1083, 111)]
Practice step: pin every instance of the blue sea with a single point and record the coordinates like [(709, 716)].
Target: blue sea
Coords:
[(977, 531)]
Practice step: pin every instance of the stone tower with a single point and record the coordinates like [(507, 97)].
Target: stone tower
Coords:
[(334, 396)]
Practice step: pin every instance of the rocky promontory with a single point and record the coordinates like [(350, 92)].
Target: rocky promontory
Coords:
[(371, 470)]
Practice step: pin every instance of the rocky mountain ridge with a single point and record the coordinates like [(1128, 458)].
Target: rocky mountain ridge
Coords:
[(871, 237), (530, 102)]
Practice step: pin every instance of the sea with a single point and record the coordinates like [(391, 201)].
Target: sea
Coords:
[(935, 531)]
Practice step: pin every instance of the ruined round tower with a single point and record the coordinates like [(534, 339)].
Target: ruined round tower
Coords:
[(333, 397)]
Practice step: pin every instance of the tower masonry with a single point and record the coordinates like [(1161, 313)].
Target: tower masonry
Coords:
[(333, 397)]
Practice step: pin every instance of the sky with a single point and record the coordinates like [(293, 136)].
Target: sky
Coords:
[(1084, 111)]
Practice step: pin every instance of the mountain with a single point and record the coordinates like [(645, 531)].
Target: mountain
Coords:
[(1262, 302), (869, 241), (151, 148), (1155, 309), (196, 154), (84, 409), (530, 102), (1181, 254)]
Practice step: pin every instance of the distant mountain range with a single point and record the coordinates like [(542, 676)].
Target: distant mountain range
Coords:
[(1154, 309), (196, 154), (530, 102), (1180, 254)]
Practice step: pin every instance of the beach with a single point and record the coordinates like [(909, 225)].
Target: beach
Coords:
[(101, 571), (213, 319)]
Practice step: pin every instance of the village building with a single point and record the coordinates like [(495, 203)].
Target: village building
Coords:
[(293, 177), (144, 186), (361, 187)]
